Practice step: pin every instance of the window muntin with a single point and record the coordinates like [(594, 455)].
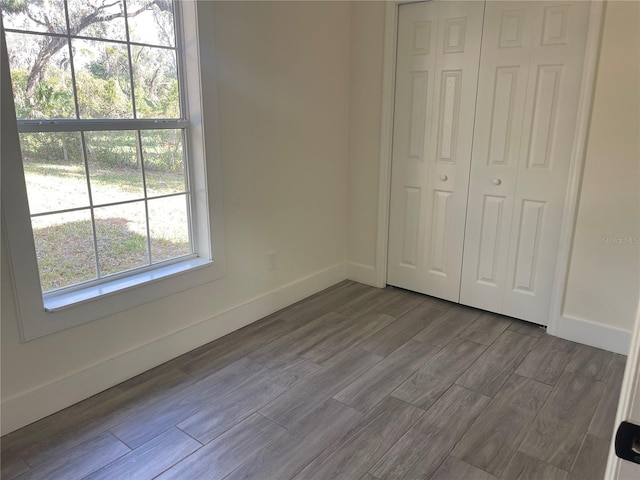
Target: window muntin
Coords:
[(102, 132)]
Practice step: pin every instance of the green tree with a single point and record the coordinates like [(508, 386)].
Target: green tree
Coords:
[(46, 15)]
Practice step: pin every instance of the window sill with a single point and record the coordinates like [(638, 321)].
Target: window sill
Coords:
[(56, 301), (58, 311)]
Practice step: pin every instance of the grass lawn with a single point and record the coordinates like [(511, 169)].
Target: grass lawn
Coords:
[(64, 242)]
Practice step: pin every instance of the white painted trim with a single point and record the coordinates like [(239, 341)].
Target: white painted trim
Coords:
[(555, 325), (35, 404), (362, 274), (594, 334), (629, 398), (583, 120), (386, 140)]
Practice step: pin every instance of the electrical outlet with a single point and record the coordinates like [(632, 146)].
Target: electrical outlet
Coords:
[(273, 261)]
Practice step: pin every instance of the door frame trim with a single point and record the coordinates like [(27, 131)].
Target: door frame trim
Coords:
[(628, 401), (583, 120)]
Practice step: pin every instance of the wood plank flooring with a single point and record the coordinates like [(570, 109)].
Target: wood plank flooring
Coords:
[(352, 383)]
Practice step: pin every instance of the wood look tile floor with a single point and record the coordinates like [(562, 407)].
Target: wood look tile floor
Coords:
[(352, 383)]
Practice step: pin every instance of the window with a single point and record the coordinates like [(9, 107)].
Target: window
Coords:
[(109, 118)]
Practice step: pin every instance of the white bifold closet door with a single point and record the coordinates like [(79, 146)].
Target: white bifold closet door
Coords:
[(529, 87), (436, 81), (479, 182)]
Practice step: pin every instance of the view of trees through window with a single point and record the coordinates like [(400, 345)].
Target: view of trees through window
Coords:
[(97, 98)]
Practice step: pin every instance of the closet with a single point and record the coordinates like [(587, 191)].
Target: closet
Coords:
[(486, 100)]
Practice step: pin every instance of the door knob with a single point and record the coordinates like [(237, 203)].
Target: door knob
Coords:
[(497, 181), (627, 442), (444, 178)]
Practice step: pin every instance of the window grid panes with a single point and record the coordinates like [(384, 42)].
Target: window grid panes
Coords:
[(102, 131)]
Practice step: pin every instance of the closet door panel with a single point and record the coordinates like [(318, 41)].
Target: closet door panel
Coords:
[(436, 80), (502, 89), (416, 63), (529, 86), (555, 76)]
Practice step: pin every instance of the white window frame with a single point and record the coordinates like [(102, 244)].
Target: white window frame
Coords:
[(40, 314)]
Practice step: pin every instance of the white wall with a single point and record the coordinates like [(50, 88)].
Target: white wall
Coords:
[(603, 283), (283, 77), (604, 274)]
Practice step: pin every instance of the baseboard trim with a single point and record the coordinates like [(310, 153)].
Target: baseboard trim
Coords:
[(35, 404), (593, 334), (362, 274)]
